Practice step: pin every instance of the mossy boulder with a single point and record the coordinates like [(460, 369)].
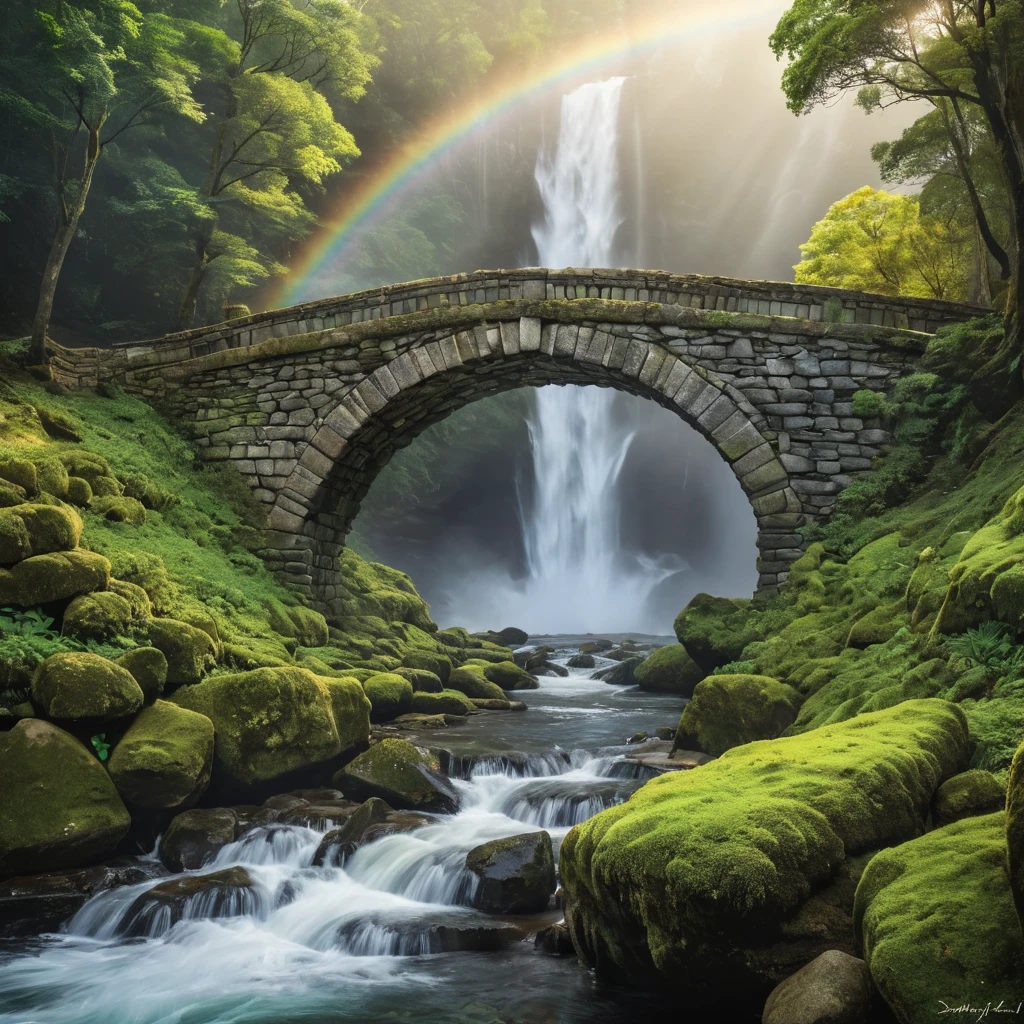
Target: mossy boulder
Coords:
[(10, 495), (190, 652), (91, 467), (118, 509), (195, 837), (514, 875), (100, 616), (967, 795), (669, 670), (400, 774), (45, 579), (390, 696), (877, 626), (33, 529), (137, 598), (509, 676), (273, 721), (79, 492), (164, 759), (729, 710), (470, 680), (678, 884), (714, 630), (59, 807), (149, 668), (422, 680), (448, 702), (376, 590), (936, 920), (52, 476), (1015, 830), (300, 623), (21, 473), (77, 684), (439, 664)]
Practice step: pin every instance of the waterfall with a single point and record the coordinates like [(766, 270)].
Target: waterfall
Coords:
[(577, 578)]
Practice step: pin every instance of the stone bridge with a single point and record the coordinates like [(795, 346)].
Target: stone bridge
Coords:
[(310, 403)]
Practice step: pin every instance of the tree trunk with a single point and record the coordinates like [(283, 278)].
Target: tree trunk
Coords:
[(70, 217), (187, 310), (981, 286)]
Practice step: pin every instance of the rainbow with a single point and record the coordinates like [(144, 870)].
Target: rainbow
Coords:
[(372, 199)]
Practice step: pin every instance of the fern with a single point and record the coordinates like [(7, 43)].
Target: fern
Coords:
[(989, 647)]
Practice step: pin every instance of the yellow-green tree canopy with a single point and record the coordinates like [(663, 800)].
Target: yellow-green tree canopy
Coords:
[(874, 241)]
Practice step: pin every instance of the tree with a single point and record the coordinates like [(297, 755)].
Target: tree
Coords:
[(965, 54), (877, 242), (273, 67), (84, 73)]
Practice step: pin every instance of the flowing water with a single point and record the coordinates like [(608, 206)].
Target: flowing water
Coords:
[(388, 937)]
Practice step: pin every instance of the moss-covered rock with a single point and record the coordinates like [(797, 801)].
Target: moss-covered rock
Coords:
[(967, 795), (59, 807), (470, 680), (33, 529), (699, 866), (273, 721), (422, 680), (79, 492), (509, 676), (439, 664), (11, 495), (137, 598), (377, 590), (669, 670), (100, 616), (448, 702), (936, 921), (515, 874), (878, 626), (714, 630), (20, 472), (301, 623), (52, 476), (729, 710), (149, 668), (390, 696), (118, 509), (89, 466), (190, 652), (195, 837), (164, 759), (351, 709), (1015, 830), (45, 579), (400, 774), (622, 674), (77, 684)]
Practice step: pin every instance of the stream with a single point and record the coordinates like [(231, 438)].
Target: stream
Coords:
[(389, 937)]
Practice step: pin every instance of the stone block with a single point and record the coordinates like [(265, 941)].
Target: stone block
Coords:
[(797, 463)]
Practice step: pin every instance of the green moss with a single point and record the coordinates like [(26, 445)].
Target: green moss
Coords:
[(399, 773), (268, 722), (936, 921), (44, 579), (138, 600), (439, 664), (714, 630), (699, 864), (148, 667), (372, 589), (470, 680), (996, 728), (967, 795), (351, 709), (60, 809), (20, 472), (878, 626), (100, 616), (83, 685), (869, 405), (669, 670), (79, 492), (727, 711), (508, 675), (447, 702), (390, 696), (189, 651), (32, 529), (422, 680), (164, 759), (303, 624), (118, 509), (1015, 831)]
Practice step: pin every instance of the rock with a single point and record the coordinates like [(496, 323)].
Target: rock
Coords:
[(582, 661), (118, 509), (879, 625), (189, 651), (491, 705), (669, 670), (622, 674), (418, 722), (696, 868), (471, 681), (729, 710), (59, 807), (78, 684), (46, 579), (661, 756), (548, 668), (31, 529), (101, 616), (390, 696), (448, 702), (58, 426), (516, 874), (440, 665), (148, 666), (714, 630), (969, 793), (137, 598), (596, 646), (273, 721), (21, 473), (834, 988), (1015, 830), (34, 904), (555, 941), (79, 492), (164, 759), (508, 637), (228, 893), (338, 845), (532, 657), (936, 921), (422, 680), (303, 624), (404, 776), (195, 837), (10, 495), (509, 676)]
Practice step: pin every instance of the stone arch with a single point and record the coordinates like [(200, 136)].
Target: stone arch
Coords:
[(359, 432)]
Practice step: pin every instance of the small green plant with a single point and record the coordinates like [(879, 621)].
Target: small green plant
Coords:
[(31, 622), (989, 647), (736, 668), (869, 405), (100, 745), (835, 311), (13, 696)]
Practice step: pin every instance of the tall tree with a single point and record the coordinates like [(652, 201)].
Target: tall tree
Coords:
[(82, 74), (965, 52), (276, 62)]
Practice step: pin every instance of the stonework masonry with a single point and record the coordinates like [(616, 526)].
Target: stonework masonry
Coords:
[(309, 404)]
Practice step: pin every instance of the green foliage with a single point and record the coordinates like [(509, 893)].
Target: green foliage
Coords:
[(869, 405), (989, 646), (25, 622), (100, 745)]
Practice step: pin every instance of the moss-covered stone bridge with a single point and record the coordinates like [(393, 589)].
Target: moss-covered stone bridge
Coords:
[(309, 403)]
